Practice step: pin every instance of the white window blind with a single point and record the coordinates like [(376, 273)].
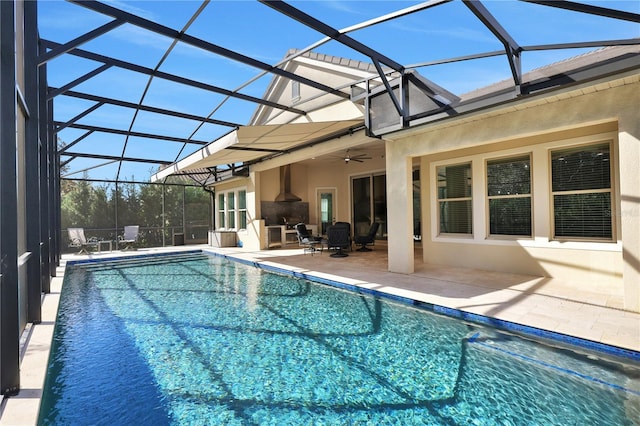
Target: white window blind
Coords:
[(581, 189), (454, 199), (509, 196)]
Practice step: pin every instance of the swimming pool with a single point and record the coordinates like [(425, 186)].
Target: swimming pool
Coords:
[(199, 339)]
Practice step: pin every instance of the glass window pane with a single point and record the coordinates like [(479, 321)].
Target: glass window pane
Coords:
[(454, 181), (231, 201), (361, 190), (221, 221), (220, 201), (232, 220), (583, 215), (242, 199), (510, 216), (417, 230), (581, 168), (243, 219), (455, 217), (509, 176), (380, 203)]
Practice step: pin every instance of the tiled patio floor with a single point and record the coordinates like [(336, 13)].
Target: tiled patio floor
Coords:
[(554, 305)]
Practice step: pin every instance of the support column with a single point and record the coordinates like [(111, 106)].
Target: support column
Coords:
[(32, 164), (46, 256), (9, 320), (399, 210), (629, 216)]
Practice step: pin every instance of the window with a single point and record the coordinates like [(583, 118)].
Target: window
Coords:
[(581, 191), (454, 199), (242, 209), (509, 194), (232, 209), (295, 91), (221, 211)]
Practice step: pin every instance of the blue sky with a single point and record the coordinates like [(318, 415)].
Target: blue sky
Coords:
[(255, 30)]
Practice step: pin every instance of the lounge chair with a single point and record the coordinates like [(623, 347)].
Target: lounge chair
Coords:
[(309, 242), (130, 237), (339, 238), (369, 239), (78, 240)]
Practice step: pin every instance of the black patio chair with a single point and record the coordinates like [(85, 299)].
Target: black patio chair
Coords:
[(309, 242), (369, 239), (339, 238)]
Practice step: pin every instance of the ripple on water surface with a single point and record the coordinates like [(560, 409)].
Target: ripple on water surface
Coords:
[(202, 340)]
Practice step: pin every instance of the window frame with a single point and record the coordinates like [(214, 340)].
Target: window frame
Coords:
[(295, 91), (610, 190), (231, 214), (440, 200), (488, 198)]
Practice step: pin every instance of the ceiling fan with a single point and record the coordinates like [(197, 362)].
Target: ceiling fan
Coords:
[(348, 157)]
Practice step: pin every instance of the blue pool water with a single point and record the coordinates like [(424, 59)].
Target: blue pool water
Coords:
[(201, 340)]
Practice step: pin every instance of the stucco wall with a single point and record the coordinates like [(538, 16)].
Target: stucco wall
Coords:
[(607, 111)]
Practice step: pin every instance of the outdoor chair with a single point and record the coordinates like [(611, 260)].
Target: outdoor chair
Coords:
[(339, 238), (369, 239), (78, 240), (309, 242), (130, 237)]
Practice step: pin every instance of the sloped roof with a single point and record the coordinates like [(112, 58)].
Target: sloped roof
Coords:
[(584, 60)]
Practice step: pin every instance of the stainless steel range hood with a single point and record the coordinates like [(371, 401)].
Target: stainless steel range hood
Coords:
[(285, 186)]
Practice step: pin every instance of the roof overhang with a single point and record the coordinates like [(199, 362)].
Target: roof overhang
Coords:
[(248, 144)]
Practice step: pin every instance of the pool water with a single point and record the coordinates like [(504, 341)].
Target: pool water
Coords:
[(201, 340)]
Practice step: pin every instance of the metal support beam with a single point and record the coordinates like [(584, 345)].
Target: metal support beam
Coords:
[(45, 57), (582, 45), (45, 182), (585, 8), (386, 83), (9, 320), (147, 108), (116, 158), (54, 188), (311, 22), (512, 49), (127, 133), (109, 62), (75, 141), (80, 116), (32, 164), (201, 44), (79, 80)]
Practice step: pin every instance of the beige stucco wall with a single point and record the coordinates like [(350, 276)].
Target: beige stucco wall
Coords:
[(307, 178), (606, 111)]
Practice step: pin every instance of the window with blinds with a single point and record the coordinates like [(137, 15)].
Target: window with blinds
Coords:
[(581, 191), (454, 199), (509, 196)]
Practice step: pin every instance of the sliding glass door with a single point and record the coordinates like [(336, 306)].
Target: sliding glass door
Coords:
[(369, 203)]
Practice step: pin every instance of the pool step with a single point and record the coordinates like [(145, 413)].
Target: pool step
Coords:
[(103, 264), (577, 365)]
